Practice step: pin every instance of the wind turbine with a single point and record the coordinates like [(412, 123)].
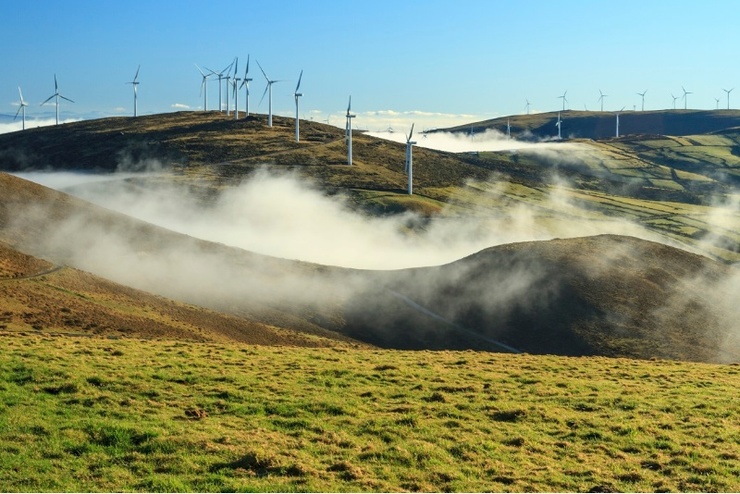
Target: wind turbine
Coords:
[(559, 124), (22, 107), (642, 94), (508, 129), (601, 99), (228, 79), (409, 167), (236, 89), (220, 76), (204, 87), (297, 95), (565, 100), (136, 85), (245, 83), (268, 88), (350, 116), (685, 98), (717, 100), (674, 100), (526, 107), (728, 91), (56, 97)]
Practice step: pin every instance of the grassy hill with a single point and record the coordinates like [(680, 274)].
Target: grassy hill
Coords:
[(602, 125), (99, 415), (605, 295)]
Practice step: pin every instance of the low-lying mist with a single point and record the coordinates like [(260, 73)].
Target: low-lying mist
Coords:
[(285, 216)]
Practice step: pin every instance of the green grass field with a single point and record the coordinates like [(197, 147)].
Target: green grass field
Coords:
[(86, 414)]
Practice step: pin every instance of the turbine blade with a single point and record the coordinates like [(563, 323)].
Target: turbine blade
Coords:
[(47, 99), (236, 65), (199, 70), (299, 81), (247, 71), (412, 132), (56, 86), (263, 71), (263, 94), (349, 105), (21, 95), (64, 97), (19, 110), (137, 73)]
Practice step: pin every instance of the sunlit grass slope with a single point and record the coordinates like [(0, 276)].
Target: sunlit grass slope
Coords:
[(126, 415)]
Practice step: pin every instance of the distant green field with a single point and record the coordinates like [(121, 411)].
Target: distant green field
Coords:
[(123, 415)]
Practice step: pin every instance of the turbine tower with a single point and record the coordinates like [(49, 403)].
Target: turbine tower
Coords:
[(204, 86), (297, 95), (728, 91), (228, 82), (617, 133), (409, 167), (268, 88), (56, 97), (236, 89), (350, 116), (245, 84), (22, 108), (559, 124), (601, 99), (135, 84), (526, 107), (508, 129), (642, 95), (685, 98), (565, 100)]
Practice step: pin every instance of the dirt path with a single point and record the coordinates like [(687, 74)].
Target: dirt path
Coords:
[(31, 276)]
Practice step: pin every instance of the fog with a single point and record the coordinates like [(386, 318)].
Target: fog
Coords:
[(285, 216)]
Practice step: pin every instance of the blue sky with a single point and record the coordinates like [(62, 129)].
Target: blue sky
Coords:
[(434, 62)]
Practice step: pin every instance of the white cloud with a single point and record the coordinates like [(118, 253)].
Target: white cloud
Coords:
[(180, 106), (17, 124)]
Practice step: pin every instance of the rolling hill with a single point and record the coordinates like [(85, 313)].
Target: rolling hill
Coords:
[(615, 296)]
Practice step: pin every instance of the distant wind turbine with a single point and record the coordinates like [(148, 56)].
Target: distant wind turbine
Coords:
[(642, 95), (685, 98), (728, 91), (565, 100), (674, 100), (526, 107), (268, 88), (508, 129), (350, 116), (601, 99), (204, 87), (228, 82), (559, 125), (717, 100), (220, 76), (297, 95), (22, 108), (135, 84), (56, 97), (409, 168), (245, 84), (235, 86)]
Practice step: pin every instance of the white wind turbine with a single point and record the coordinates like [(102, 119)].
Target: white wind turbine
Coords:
[(559, 125), (674, 100), (642, 95), (685, 98), (268, 88), (717, 100), (728, 91), (565, 100), (526, 107), (204, 86), (508, 129), (236, 89), (220, 76), (297, 95), (245, 84), (350, 116), (601, 99), (409, 167), (22, 108), (56, 97), (136, 85)]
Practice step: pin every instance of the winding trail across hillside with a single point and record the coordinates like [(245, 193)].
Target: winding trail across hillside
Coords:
[(53, 269)]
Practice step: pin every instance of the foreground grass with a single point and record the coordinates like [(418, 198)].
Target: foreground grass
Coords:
[(120, 415)]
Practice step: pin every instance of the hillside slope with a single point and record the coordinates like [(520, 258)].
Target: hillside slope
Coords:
[(604, 295)]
